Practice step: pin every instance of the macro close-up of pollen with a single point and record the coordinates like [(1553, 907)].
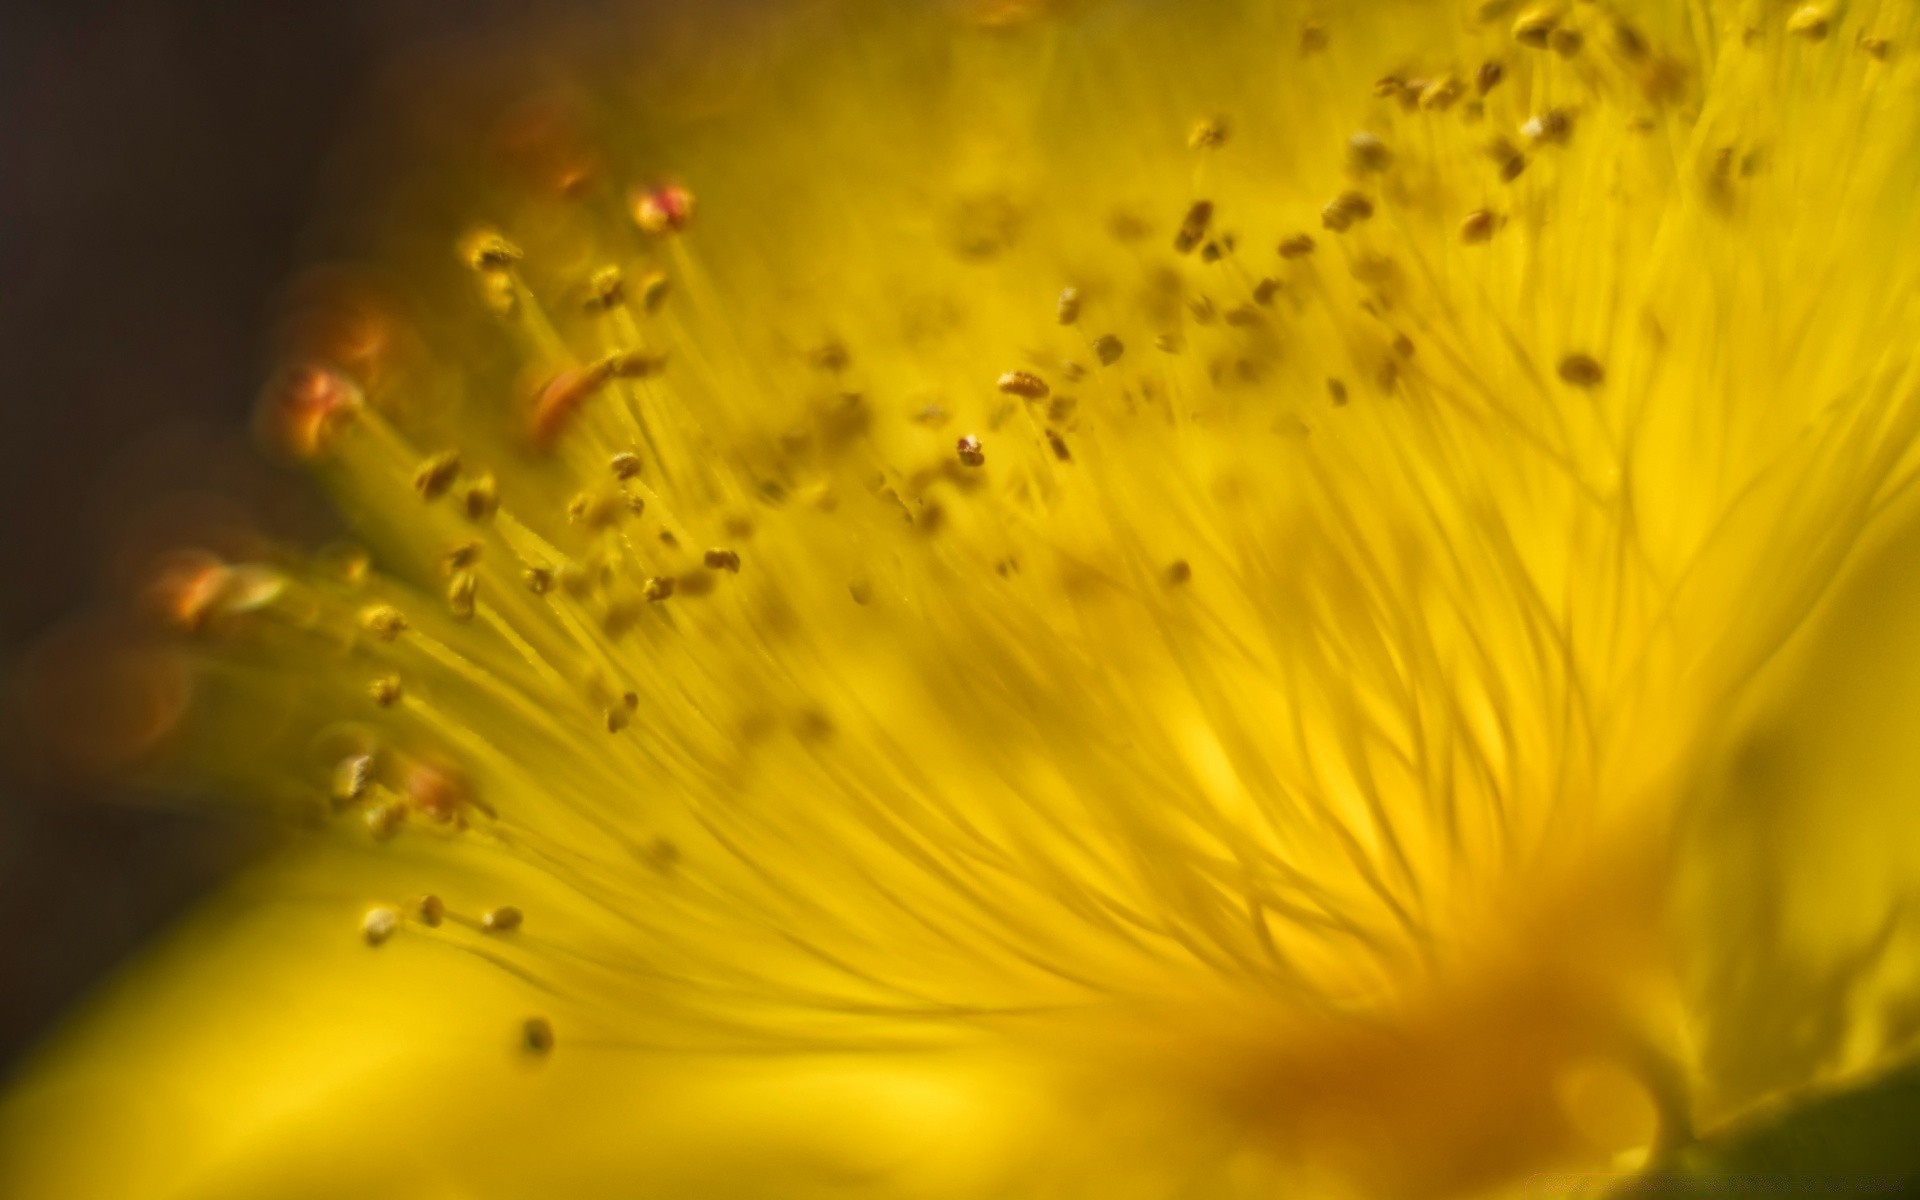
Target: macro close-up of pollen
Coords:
[(1103, 599)]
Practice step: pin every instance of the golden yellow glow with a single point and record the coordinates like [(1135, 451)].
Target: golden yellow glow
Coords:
[(1090, 599)]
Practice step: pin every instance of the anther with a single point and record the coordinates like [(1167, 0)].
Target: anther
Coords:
[(1193, 227), (1208, 134), (1058, 445), (1549, 128), (1344, 210), (721, 560), (1566, 42), (561, 396), (1509, 158), (1534, 26), (437, 474), (1108, 349), (1296, 245), (1488, 76), (657, 588), (1313, 36), (625, 465), (487, 250), (1178, 572), (429, 910), (385, 690), (1337, 392), (617, 719), (538, 579), (1265, 291), (504, 919), (1169, 343), (460, 557), (661, 210), (1366, 152), (482, 498), (654, 288), (460, 595), (606, 289), (1479, 226), (1811, 21), (383, 820), (1582, 370), (1024, 384), (970, 451), (1067, 309), (1877, 48), (1442, 93), (379, 924), (383, 621), (536, 1035)]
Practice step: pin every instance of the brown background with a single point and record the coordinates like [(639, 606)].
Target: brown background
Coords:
[(158, 163)]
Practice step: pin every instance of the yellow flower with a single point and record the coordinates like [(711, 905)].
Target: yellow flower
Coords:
[(1210, 599)]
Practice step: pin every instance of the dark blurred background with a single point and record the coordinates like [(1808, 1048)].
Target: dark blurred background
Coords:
[(159, 161)]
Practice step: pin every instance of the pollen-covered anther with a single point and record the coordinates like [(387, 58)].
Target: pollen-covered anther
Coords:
[(1209, 134), (1534, 27), (657, 588), (1067, 308), (385, 690), (1024, 384), (1296, 246), (314, 405), (438, 792), (1193, 226), (434, 476), (1550, 127), (1367, 153), (1811, 21), (383, 621), (429, 910), (721, 560), (482, 498), (662, 209), (970, 451), (379, 924), (1479, 226), (1582, 370), (624, 465), (504, 919), (461, 590), (1108, 349), (539, 580), (351, 778), (1345, 210)]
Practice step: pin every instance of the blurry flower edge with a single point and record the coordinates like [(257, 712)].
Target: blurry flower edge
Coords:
[(1072, 599)]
